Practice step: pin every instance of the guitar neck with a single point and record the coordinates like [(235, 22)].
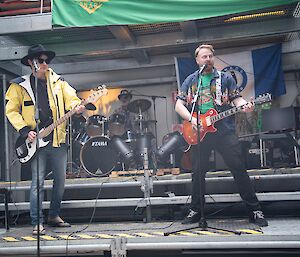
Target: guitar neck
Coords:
[(259, 100), (227, 113), (100, 91), (48, 130)]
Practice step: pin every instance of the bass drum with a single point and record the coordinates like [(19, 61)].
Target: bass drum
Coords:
[(98, 157)]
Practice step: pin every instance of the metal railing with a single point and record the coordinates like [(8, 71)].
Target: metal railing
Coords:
[(12, 8)]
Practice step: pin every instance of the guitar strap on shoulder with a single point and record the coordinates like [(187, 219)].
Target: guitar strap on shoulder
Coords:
[(218, 99)]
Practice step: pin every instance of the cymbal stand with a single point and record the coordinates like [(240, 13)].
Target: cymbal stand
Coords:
[(140, 120)]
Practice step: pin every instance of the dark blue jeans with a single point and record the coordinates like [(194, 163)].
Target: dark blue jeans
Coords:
[(229, 148), (58, 158)]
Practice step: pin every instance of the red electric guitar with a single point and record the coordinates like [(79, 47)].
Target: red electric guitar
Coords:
[(208, 120)]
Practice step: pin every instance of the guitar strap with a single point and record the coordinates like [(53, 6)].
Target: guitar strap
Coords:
[(218, 99)]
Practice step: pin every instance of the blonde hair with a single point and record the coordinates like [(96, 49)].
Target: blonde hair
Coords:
[(210, 47)]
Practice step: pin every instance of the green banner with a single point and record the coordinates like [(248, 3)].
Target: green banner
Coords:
[(82, 13)]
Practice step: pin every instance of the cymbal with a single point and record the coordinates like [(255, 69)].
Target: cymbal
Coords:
[(139, 104)]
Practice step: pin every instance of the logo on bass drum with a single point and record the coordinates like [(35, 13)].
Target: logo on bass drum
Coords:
[(99, 143), (239, 75)]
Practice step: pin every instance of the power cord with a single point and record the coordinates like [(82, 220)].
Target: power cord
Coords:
[(91, 219), (10, 191)]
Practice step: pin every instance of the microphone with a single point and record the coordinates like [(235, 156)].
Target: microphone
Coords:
[(36, 67), (202, 68)]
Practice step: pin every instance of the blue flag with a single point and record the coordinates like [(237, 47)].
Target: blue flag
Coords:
[(256, 71)]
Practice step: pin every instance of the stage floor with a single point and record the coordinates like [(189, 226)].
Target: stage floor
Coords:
[(282, 233)]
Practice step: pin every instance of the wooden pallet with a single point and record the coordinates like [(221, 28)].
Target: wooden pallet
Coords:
[(159, 172), (173, 171)]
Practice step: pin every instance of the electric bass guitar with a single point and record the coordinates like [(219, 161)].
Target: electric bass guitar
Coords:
[(25, 150), (208, 120)]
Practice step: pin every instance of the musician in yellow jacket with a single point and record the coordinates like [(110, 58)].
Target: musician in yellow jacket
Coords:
[(55, 97)]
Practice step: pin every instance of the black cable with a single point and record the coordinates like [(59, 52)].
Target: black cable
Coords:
[(10, 190), (167, 117), (91, 219)]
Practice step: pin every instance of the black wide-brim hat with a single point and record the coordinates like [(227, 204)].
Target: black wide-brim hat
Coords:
[(36, 51), (125, 93)]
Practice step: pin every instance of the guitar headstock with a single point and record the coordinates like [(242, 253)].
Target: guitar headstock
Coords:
[(263, 98), (96, 94)]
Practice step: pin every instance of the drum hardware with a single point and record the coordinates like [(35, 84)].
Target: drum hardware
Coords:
[(129, 137), (139, 106), (172, 149), (124, 150), (143, 141), (153, 97), (171, 143), (97, 126), (81, 138), (116, 124)]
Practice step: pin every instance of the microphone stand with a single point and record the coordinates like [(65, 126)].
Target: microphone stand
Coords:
[(37, 119), (202, 224)]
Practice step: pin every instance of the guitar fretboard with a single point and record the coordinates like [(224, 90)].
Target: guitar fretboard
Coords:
[(234, 110), (227, 113), (47, 131)]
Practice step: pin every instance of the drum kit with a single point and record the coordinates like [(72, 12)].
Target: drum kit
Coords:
[(104, 144)]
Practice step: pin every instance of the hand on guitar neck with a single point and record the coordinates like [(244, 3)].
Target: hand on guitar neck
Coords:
[(80, 109), (31, 136), (247, 106)]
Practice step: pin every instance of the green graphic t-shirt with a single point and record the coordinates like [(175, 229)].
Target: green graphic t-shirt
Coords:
[(206, 100)]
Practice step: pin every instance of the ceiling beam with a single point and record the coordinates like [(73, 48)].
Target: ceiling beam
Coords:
[(292, 46), (124, 63), (228, 32), (126, 38), (140, 55), (218, 34), (110, 65), (11, 67), (189, 29), (123, 34), (128, 83)]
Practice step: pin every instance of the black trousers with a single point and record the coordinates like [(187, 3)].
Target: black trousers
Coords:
[(229, 148)]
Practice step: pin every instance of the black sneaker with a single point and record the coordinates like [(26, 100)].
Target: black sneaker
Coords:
[(192, 217), (258, 218)]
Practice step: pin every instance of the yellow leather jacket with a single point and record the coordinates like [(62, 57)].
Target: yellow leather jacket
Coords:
[(20, 101)]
